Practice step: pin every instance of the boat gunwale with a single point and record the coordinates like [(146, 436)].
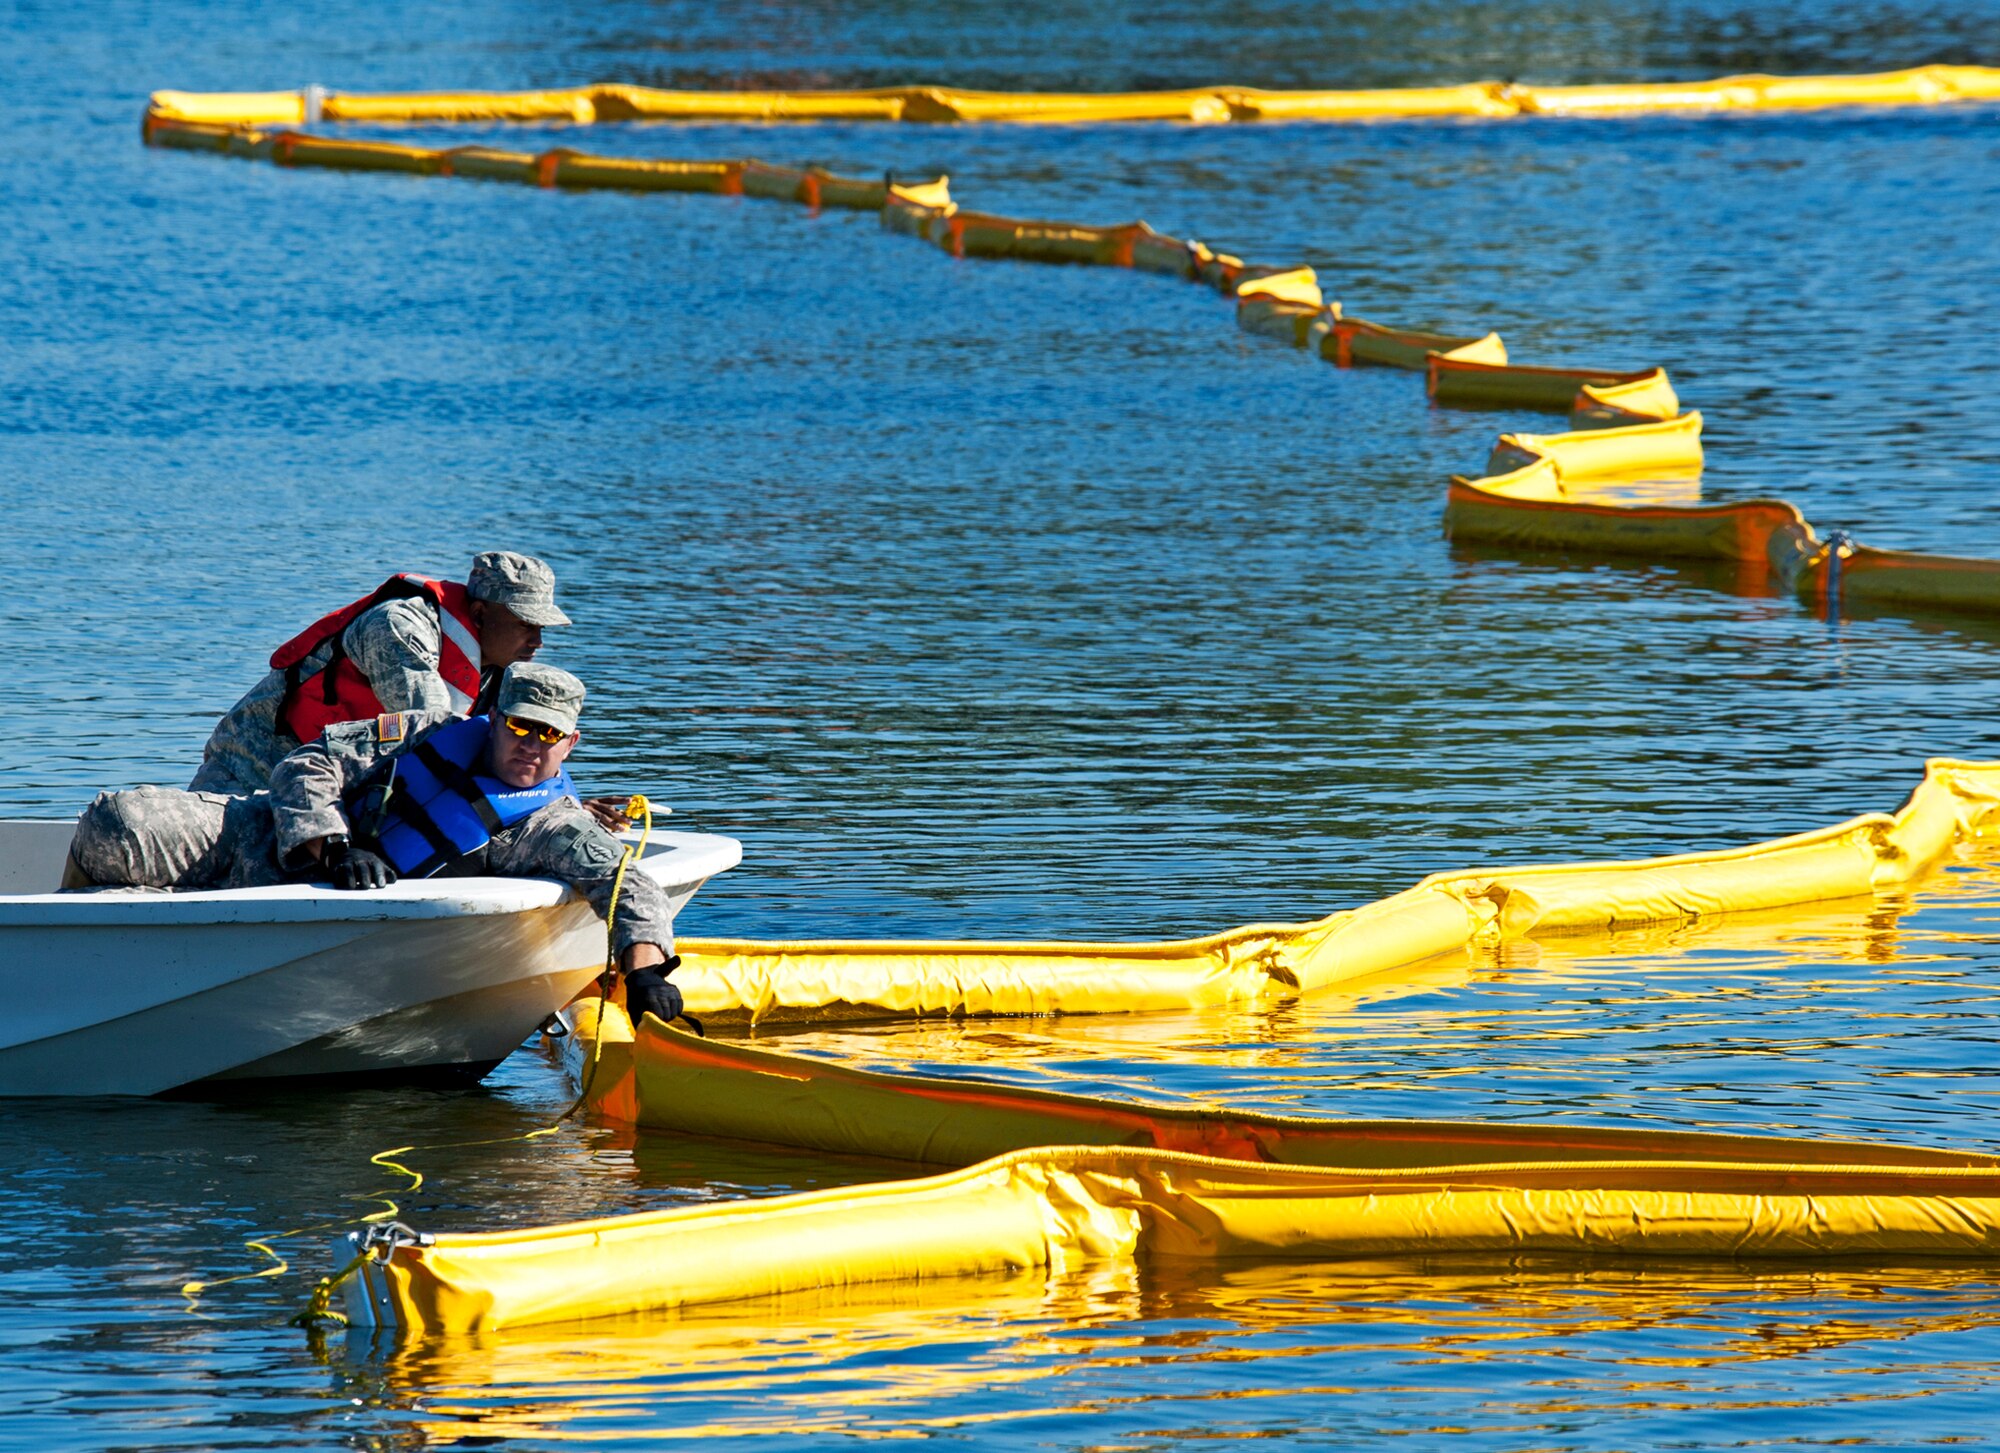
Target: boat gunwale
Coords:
[(674, 860)]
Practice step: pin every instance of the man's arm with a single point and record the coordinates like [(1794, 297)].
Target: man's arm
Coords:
[(563, 842), (309, 787), (396, 646)]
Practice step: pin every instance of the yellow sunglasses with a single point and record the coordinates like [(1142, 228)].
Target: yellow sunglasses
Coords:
[(544, 733)]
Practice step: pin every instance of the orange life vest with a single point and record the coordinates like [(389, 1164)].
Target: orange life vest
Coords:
[(315, 700)]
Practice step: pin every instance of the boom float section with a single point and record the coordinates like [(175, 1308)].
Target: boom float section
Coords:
[(1264, 964), (1067, 1208), (560, 167), (1560, 493), (582, 105), (739, 1092)]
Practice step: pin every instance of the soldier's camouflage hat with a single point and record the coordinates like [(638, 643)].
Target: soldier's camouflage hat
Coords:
[(540, 693), (522, 583)]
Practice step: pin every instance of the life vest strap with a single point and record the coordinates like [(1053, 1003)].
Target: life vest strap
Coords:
[(327, 676), (460, 781), (417, 818), (329, 686)]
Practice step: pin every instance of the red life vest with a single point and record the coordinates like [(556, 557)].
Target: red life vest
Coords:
[(315, 700)]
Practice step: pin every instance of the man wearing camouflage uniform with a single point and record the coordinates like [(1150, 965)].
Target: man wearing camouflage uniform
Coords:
[(397, 647), (344, 808)]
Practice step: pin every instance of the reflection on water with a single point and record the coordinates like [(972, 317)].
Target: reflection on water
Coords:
[(1494, 1354), (995, 600)]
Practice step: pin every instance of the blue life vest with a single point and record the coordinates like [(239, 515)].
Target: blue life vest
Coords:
[(440, 813)]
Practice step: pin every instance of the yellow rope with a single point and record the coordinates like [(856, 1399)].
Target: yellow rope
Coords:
[(193, 1290), (636, 807)]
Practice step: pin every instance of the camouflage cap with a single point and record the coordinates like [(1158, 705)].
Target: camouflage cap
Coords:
[(522, 583), (540, 693)]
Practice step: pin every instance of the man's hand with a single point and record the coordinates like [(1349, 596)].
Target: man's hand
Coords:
[(647, 991), (354, 869), (609, 812)]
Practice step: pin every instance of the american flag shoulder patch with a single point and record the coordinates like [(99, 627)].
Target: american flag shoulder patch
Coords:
[(389, 727)]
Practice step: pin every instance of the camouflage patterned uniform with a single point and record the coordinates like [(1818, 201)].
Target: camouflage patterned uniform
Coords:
[(157, 837), (162, 837), (395, 645)]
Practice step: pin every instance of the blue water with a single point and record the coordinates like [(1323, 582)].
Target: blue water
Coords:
[(986, 599)]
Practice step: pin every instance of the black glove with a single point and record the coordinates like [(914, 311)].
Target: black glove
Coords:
[(354, 869), (648, 992)]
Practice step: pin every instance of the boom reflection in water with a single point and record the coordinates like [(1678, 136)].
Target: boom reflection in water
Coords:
[(1512, 1351)]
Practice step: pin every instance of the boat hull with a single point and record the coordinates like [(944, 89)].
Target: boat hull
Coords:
[(138, 993)]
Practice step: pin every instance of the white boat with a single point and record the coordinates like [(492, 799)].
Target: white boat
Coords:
[(136, 991)]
